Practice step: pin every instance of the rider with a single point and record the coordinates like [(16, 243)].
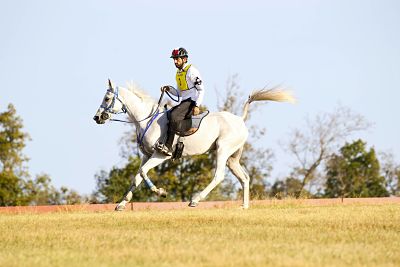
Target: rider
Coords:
[(190, 90)]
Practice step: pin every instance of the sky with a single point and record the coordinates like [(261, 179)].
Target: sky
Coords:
[(56, 57)]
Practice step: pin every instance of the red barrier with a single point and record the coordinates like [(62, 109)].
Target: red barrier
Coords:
[(136, 206)]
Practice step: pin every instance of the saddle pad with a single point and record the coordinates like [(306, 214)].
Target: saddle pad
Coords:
[(190, 126)]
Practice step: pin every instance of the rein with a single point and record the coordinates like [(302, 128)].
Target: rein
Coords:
[(156, 110), (125, 108)]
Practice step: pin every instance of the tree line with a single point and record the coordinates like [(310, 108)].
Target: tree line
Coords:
[(327, 162), (17, 187)]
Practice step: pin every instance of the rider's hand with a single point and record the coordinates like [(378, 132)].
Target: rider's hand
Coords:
[(165, 88), (196, 111)]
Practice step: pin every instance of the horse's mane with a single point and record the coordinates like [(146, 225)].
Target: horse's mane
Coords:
[(139, 92)]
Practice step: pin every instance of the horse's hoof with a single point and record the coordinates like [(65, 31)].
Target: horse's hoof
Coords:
[(120, 207), (162, 192), (193, 204)]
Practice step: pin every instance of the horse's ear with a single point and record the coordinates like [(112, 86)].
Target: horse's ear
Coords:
[(110, 87)]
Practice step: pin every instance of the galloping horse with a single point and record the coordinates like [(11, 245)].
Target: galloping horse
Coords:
[(222, 131)]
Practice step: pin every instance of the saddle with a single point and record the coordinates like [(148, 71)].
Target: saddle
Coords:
[(184, 128), (188, 126)]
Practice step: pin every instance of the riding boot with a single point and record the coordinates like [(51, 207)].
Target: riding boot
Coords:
[(170, 139), (166, 148)]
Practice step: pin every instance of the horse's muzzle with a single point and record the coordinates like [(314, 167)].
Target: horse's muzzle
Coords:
[(97, 119)]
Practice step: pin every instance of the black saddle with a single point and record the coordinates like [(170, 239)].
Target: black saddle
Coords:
[(190, 125)]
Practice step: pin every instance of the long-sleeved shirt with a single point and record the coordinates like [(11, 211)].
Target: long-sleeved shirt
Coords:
[(195, 85)]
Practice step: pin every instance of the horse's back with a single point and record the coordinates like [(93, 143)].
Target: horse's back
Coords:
[(216, 128)]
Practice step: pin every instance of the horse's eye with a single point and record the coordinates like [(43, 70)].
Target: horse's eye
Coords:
[(106, 99)]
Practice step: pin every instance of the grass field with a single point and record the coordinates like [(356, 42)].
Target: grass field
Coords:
[(273, 235)]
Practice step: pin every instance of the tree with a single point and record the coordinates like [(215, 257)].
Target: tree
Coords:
[(290, 187), (12, 172), (355, 172), (391, 172), (69, 196), (40, 191), (12, 142), (16, 187), (10, 190), (314, 144)]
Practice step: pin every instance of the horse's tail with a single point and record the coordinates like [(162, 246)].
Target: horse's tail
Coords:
[(274, 94)]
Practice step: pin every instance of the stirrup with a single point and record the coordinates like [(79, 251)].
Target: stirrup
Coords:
[(163, 149), (158, 146)]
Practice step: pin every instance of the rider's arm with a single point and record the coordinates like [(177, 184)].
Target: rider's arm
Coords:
[(195, 77)]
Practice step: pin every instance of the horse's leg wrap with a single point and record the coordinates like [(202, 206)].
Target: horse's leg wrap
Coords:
[(159, 191), (127, 197)]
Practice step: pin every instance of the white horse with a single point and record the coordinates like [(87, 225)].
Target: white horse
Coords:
[(222, 131)]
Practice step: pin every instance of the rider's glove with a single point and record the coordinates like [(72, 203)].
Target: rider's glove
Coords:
[(165, 88)]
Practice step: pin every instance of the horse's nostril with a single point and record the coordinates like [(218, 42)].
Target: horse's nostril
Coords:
[(105, 116)]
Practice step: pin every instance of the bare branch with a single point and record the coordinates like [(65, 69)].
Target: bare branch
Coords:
[(314, 144)]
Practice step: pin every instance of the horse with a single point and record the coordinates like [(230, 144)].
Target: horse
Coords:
[(222, 131)]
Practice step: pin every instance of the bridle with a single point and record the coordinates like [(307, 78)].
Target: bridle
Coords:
[(110, 108), (124, 109)]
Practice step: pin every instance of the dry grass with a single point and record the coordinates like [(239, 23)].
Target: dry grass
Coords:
[(274, 235)]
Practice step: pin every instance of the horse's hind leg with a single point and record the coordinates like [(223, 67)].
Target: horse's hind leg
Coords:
[(241, 174), (223, 153)]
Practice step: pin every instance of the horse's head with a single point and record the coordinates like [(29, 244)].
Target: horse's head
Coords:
[(111, 104)]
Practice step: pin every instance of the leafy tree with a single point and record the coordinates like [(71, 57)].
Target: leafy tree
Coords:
[(354, 173), (10, 190), (40, 191), (16, 187), (70, 196), (12, 172), (290, 187), (12, 142)]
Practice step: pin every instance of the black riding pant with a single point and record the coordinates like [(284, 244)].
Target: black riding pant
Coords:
[(177, 114)]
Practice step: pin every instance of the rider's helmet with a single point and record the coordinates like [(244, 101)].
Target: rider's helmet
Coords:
[(179, 52)]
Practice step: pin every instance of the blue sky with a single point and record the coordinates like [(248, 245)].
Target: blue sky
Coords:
[(56, 56)]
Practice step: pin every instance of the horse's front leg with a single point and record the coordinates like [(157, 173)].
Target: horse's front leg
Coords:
[(155, 160), (134, 184), (147, 165), (128, 195)]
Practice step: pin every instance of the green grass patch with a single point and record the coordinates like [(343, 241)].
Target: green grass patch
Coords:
[(271, 235)]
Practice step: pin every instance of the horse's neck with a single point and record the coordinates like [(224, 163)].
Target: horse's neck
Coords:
[(136, 108)]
